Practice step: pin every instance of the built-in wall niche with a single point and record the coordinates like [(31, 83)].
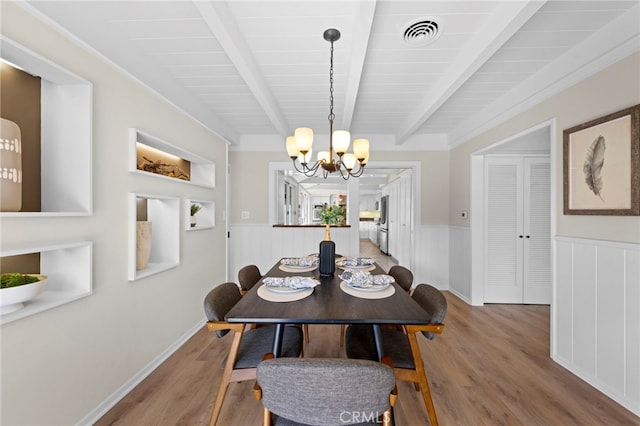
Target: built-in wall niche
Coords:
[(68, 268), (204, 216), (154, 234), (152, 156), (65, 136)]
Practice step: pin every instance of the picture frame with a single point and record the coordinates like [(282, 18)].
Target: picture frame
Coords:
[(601, 165)]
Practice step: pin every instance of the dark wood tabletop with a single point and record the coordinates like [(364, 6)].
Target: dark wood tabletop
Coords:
[(328, 304)]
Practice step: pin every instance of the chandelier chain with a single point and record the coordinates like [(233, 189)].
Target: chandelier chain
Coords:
[(331, 114)]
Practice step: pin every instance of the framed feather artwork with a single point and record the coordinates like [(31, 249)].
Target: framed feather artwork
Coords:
[(601, 161)]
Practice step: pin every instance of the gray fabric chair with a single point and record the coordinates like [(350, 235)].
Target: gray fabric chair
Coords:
[(325, 391), (402, 345), (403, 276), (248, 276), (248, 346)]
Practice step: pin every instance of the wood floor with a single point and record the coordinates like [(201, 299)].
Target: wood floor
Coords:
[(491, 366)]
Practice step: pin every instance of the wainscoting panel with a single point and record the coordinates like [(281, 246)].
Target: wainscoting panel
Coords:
[(431, 261), (263, 245), (597, 325), (460, 262)]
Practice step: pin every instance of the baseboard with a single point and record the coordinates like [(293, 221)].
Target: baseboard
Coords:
[(606, 390), (95, 414), (459, 295)]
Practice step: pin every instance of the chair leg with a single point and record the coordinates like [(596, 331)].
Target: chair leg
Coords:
[(225, 379), (305, 331), (422, 377), (342, 331)]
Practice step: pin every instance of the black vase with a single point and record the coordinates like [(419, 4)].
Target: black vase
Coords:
[(327, 256)]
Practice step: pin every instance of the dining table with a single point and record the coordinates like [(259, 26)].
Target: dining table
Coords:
[(330, 302)]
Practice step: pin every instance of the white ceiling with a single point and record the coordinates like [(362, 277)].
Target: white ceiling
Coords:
[(253, 71)]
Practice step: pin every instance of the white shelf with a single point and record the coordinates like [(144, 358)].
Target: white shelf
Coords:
[(203, 171), (205, 218), (69, 271), (66, 135), (164, 214)]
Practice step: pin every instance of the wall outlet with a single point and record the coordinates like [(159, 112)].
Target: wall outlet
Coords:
[(464, 214), (245, 214)]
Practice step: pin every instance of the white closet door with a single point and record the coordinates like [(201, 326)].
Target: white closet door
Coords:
[(503, 228), (537, 244)]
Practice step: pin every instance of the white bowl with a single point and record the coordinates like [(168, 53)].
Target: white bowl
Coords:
[(11, 298)]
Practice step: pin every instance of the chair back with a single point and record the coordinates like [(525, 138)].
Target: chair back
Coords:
[(403, 276), (326, 391), (432, 301), (219, 301), (248, 276)]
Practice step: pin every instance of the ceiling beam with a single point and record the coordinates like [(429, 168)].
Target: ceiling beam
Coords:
[(498, 29), (222, 24), (361, 34)]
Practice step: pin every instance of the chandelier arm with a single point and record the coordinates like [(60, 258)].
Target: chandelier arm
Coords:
[(359, 172)]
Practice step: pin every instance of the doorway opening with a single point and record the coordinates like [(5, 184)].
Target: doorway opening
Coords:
[(533, 142)]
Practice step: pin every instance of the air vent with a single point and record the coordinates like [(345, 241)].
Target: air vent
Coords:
[(421, 31)]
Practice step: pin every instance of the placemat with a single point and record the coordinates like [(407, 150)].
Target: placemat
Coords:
[(382, 294), (266, 294), (286, 268), (368, 268)]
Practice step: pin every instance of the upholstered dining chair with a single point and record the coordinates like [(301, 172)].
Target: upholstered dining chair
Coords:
[(248, 276), (402, 345), (248, 346), (325, 391), (403, 276)]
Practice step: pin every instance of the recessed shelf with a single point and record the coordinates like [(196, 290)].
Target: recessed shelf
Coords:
[(145, 148), (69, 271), (164, 215), (205, 218), (65, 135)]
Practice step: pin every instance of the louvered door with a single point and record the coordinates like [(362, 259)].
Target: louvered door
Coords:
[(517, 233)]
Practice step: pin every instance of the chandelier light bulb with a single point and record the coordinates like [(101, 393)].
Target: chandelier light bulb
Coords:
[(361, 148), (305, 158), (324, 156), (349, 160), (341, 140), (292, 147), (304, 138)]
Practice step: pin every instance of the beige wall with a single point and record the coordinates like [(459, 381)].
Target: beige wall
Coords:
[(57, 366), (249, 183), (610, 90)]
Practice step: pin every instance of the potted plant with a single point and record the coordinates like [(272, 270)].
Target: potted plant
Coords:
[(16, 288), (195, 208), (332, 215)]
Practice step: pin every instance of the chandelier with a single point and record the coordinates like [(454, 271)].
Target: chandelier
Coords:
[(299, 145)]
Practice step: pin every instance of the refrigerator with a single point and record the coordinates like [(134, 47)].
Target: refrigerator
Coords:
[(383, 228)]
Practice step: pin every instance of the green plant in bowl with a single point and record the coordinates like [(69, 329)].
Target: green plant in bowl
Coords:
[(15, 279), (18, 288)]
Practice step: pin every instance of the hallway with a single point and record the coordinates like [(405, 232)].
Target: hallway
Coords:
[(368, 249)]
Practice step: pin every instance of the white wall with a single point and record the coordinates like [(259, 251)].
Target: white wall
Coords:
[(66, 364), (607, 294)]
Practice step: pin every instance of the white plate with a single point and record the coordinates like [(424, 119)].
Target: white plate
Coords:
[(285, 289), (368, 289)]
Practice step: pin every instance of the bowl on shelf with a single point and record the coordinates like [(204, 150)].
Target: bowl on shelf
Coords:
[(13, 298)]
